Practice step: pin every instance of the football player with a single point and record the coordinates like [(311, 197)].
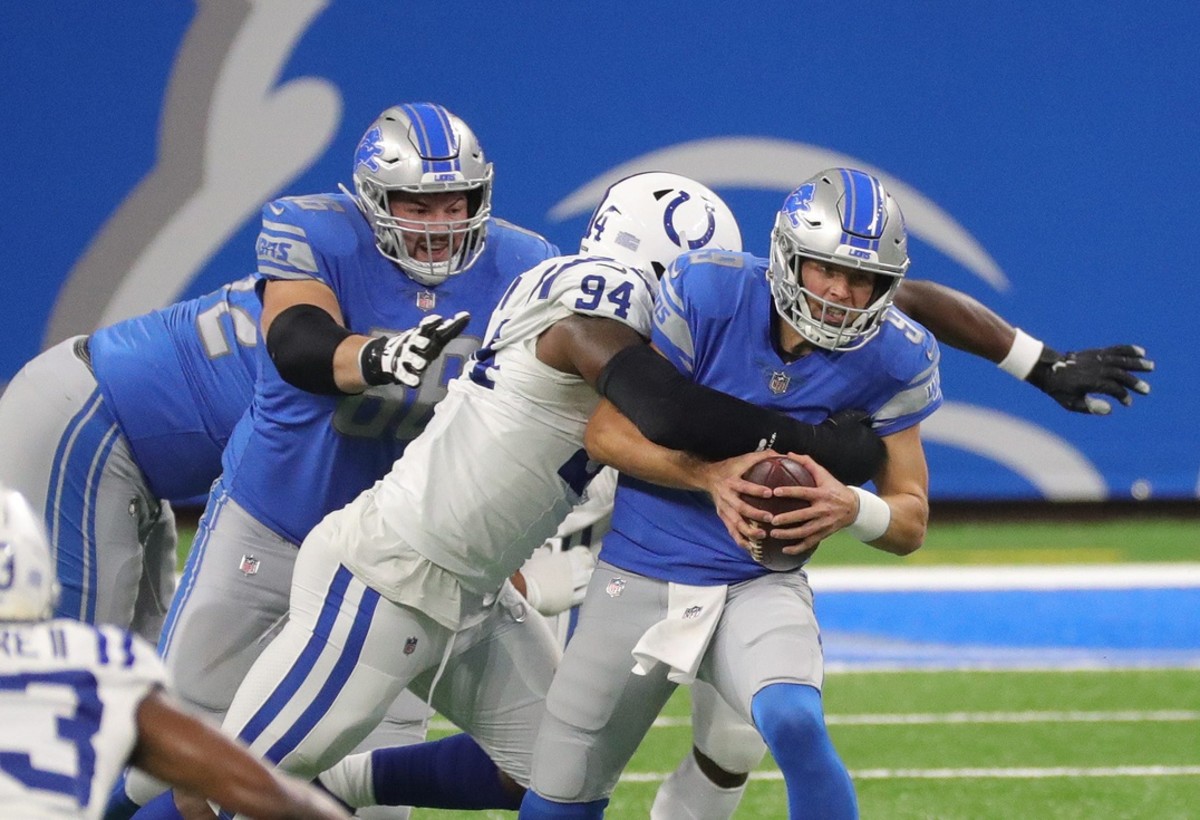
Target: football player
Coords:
[(352, 286), (807, 332), (101, 432), (78, 702)]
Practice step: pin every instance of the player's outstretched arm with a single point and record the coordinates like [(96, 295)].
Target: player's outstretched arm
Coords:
[(314, 351), (1074, 380), (191, 755)]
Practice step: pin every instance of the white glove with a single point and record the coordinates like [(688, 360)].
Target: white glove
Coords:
[(557, 581), (401, 359)]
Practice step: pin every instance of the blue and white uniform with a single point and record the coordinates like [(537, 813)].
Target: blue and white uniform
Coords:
[(69, 695), (100, 432), (672, 590), (407, 586)]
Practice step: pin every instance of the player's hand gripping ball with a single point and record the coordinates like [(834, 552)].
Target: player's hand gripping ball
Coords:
[(778, 471)]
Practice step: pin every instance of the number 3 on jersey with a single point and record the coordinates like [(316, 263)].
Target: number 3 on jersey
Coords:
[(68, 741)]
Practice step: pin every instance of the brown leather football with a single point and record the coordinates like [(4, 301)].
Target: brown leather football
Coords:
[(778, 471)]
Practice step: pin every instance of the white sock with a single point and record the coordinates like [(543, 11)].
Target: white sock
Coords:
[(688, 795), (349, 780)]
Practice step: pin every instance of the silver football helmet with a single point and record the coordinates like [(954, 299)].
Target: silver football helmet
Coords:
[(648, 219), (846, 218), (421, 148), (28, 583)]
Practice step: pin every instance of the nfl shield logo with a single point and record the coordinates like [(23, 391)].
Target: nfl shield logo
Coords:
[(249, 565), (426, 300), (410, 646), (615, 587), (779, 382)]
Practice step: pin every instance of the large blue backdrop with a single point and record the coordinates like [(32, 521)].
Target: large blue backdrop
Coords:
[(1044, 155)]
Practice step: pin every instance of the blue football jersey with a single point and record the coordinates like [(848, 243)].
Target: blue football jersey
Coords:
[(713, 321), (178, 379), (296, 456)]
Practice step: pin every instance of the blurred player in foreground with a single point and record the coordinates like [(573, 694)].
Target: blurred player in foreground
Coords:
[(78, 702), (677, 596)]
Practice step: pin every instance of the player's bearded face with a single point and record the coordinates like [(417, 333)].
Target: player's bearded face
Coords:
[(833, 287), (433, 224)]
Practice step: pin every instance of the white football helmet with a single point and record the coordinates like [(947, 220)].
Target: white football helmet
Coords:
[(844, 217), (421, 148), (648, 219), (28, 584)]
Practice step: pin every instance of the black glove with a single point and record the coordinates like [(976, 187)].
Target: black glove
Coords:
[(847, 447), (401, 359), (1069, 378)]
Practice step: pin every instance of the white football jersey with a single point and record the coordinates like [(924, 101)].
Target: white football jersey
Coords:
[(502, 461), (69, 694)]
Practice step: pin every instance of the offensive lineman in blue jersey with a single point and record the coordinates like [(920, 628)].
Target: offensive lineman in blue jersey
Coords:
[(100, 432), (809, 333), (349, 285)]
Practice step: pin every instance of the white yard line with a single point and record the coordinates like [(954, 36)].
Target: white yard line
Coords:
[(970, 578), (1022, 773), (934, 718)]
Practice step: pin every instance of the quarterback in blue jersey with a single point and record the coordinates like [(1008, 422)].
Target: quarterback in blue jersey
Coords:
[(100, 432), (352, 286), (810, 333)]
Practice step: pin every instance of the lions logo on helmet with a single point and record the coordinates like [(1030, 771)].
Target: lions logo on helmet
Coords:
[(421, 148), (845, 218), (28, 585), (648, 219)]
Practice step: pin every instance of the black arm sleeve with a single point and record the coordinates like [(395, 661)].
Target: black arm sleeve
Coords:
[(301, 343), (675, 412)]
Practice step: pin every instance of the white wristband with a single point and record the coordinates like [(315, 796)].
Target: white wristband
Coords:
[(873, 517), (1022, 356)]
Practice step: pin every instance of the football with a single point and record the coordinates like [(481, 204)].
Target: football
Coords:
[(778, 471)]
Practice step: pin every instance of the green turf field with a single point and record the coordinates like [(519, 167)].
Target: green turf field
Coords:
[(1113, 744), (1059, 542), (1095, 744), (1097, 542)]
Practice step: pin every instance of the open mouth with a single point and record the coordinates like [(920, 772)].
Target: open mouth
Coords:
[(435, 250)]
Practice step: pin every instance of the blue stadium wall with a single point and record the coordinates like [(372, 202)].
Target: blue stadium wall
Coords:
[(1044, 154)]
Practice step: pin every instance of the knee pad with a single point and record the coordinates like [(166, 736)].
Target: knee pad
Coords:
[(721, 734)]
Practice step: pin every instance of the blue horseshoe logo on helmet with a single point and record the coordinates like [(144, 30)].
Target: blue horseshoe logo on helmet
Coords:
[(673, 235)]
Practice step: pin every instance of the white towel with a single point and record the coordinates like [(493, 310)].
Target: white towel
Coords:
[(681, 639)]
